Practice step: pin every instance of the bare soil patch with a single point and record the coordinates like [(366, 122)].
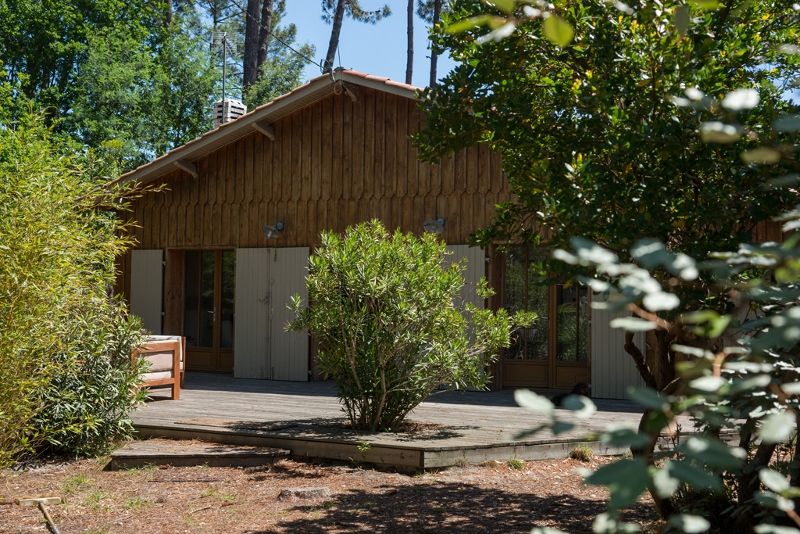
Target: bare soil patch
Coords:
[(495, 497)]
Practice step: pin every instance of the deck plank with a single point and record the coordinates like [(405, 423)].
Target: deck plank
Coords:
[(305, 418)]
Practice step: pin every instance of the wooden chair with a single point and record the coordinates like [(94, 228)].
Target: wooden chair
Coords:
[(166, 357)]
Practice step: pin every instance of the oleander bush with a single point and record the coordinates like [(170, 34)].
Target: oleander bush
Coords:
[(383, 309)]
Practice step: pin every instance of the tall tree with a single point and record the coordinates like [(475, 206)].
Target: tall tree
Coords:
[(592, 140), (430, 11), (282, 69), (410, 40), (334, 15)]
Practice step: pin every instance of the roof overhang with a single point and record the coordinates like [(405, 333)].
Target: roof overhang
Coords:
[(184, 156)]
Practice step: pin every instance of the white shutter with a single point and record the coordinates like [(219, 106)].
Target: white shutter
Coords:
[(288, 269), (613, 370), (251, 344)]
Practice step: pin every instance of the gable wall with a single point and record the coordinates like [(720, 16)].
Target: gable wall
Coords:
[(333, 164)]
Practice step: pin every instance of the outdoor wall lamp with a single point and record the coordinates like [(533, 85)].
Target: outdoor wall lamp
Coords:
[(434, 226), (273, 231)]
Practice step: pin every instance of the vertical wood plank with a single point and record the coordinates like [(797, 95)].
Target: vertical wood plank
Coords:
[(379, 134), (401, 147), (296, 155), (316, 151), (348, 108), (370, 155), (390, 146), (335, 161), (357, 142), (305, 151), (327, 149)]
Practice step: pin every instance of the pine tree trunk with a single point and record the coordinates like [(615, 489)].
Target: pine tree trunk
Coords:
[(264, 34), (437, 10), (410, 52), (334, 42), (251, 39)]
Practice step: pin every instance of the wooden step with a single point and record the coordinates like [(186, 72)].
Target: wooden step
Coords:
[(192, 453)]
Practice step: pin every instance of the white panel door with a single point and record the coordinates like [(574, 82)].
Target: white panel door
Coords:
[(288, 269), (252, 334), (147, 273), (613, 370)]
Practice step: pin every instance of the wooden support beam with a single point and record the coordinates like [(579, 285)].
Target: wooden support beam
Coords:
[(351, 91), (265, 129), (187, 166)]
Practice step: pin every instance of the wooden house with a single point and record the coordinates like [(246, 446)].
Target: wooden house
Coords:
[(220, 252)]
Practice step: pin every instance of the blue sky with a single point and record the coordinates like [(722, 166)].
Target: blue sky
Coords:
[(378, 49)]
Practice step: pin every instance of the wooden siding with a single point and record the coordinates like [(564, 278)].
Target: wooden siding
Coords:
[(333, 164), (252, 314), (146, 293), (612, 369)]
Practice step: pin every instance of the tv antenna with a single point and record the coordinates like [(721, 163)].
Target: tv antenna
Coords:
[(221, 40)]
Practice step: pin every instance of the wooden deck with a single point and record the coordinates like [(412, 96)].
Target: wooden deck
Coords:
[(305, 418)]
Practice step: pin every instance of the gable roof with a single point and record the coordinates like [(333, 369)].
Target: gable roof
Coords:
[(316, 89)]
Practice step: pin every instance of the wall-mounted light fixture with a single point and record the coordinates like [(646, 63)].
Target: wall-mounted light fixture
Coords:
[(273, 230), (434, 226)]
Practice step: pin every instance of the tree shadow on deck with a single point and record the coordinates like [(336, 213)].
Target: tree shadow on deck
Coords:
[(449, 507)]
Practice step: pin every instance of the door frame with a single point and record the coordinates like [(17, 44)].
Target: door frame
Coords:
[(215, 358)]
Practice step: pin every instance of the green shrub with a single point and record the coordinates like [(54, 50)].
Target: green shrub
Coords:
[(64, 344), (382, 309)]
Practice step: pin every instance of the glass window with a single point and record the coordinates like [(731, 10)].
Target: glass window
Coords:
[(525, 290)]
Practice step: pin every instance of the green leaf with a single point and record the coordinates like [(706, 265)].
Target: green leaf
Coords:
[(773, 500), (469, 23), (559, 427), (605, 523), (664, 484), (689, 523), (581, 406), (546, 530), (787, 123), (712, 452), (649, 398), (791, 388), (718, 132), (531, 401), (616, 472), (558, 30), (777, 427), (705, 4), (625, 479), (761, 155), (632, 324), (661, 301), (506, 5), (624, 437), (741, 99), (693, 475), (708, 384), (773, 480), (775, 529), (682, 20)]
